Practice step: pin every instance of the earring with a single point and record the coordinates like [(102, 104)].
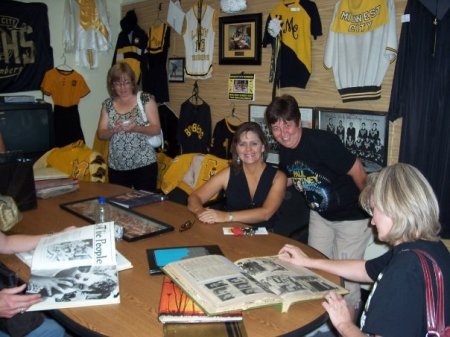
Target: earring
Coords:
[(238, 160)]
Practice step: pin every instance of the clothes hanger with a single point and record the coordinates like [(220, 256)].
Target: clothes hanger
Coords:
[(158, 20), (64, 66), (195, 95), (233, 118)]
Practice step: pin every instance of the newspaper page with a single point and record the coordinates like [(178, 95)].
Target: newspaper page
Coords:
[(75, 268), (218, 285)]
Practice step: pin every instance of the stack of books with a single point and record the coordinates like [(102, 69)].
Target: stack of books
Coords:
[(50, 182)]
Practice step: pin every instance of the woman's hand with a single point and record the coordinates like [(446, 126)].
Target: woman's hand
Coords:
[(125, 126), (294, 255), (339, 313), (12, 301), (212, 216)]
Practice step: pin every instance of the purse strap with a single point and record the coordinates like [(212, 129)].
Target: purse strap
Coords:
[(141, 107), (435, 313)]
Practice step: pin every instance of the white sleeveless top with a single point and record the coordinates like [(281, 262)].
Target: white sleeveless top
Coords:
[(199, 60)]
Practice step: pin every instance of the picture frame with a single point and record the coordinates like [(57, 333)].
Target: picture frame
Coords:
[(364, 132), (256, 113), (240, 39), (135, 225), (175, 69)]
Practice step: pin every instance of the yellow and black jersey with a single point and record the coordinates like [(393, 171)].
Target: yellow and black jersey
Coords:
[(299, 21)]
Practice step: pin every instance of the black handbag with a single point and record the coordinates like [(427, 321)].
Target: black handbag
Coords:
[(20, 324), (17, 180)]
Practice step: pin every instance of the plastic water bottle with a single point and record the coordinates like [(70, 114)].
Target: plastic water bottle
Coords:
[(102, 211)]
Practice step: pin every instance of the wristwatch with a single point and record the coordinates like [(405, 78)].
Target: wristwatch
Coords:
[(230, 217)]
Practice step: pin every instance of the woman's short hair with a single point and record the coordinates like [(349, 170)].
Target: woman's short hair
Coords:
[(115, 74), (284, 107), (244, 128), (402, 193)]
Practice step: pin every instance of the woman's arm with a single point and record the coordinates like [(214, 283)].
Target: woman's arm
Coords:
[(18, 243), (358, 174), (205, 192), (353, 270), (103, 130)]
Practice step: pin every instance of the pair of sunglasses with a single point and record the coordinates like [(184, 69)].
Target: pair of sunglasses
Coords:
[(186, 225)]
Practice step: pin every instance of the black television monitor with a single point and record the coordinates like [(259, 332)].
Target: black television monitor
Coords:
[(27, 128)]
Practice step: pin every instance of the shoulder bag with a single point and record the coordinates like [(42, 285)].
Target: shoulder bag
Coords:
[(154, 141), (435, 313)]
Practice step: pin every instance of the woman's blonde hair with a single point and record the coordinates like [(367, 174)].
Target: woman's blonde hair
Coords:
[(402, 193)]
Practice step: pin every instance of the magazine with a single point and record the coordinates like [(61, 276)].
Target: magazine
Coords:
[(218, 285), (176, 306), (136, 198), (122, 262), (75, 268)]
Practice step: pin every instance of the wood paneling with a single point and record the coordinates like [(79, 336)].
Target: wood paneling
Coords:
[(320, 91)]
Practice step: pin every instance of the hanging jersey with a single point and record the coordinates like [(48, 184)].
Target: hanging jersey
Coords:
[(299, 21), (222, 137), (362, 42), (131, 43), (194, 127), (199, 43), (65, 87), (153, 65)]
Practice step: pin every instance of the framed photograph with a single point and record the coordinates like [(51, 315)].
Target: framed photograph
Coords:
[(135, 225), (256, 114), (365, 133), (240, 39), (175, 69)]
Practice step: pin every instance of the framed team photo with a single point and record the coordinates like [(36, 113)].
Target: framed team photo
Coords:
[(240, 39), (175, 69), (365, 133)]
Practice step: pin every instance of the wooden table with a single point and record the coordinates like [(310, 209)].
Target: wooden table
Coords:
[(137, 314)]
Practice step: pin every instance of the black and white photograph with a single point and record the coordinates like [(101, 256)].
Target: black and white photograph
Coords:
[(364, 133), (77, 284)]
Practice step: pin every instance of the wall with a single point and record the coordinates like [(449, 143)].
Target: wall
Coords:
[(320, 91), (90, 105)]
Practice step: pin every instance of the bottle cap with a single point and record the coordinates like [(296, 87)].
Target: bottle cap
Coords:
[(101, 200)]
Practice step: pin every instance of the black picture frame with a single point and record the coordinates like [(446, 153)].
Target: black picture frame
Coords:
[(364, 132), (135, 225), (256, 113), (175, 69), (240, 39)]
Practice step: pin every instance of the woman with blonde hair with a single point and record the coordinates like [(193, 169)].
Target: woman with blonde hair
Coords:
[(405, 213)]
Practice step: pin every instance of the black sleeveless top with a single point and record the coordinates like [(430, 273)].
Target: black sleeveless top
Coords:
[(238, 194)]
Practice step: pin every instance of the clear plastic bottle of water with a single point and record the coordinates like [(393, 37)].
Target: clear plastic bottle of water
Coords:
[(102, 211)]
